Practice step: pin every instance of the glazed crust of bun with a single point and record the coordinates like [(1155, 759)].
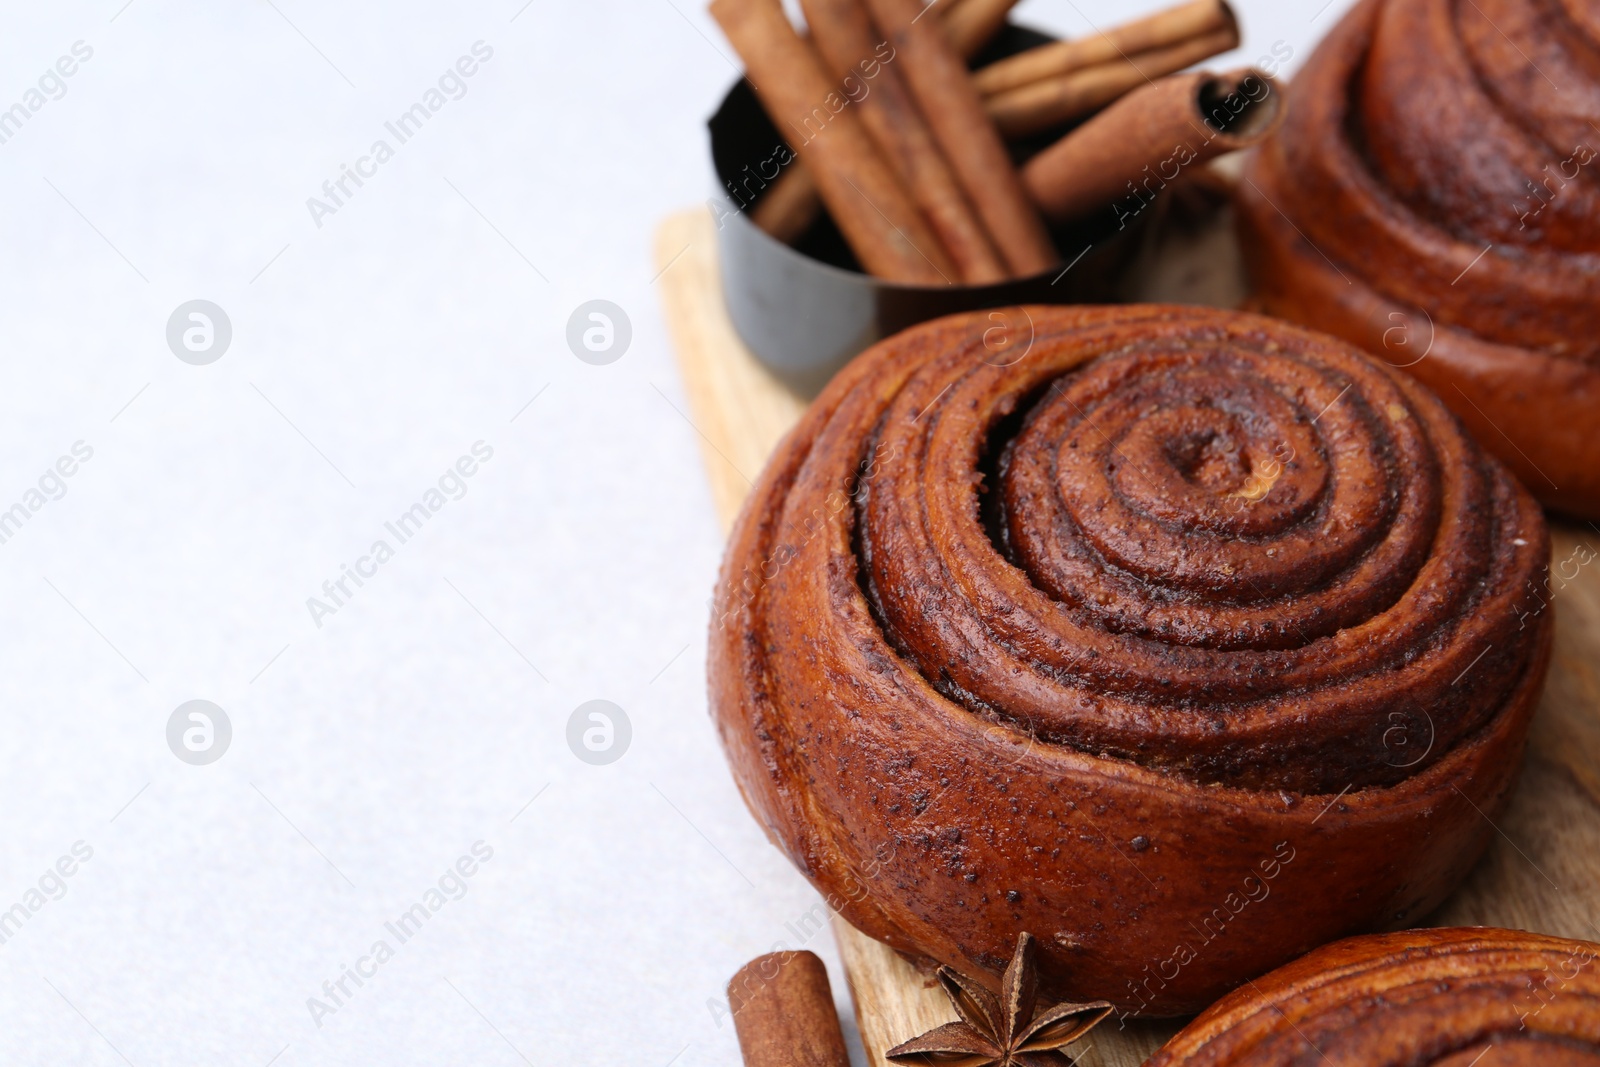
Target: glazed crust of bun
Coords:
[(1113, 624), (1419, 998), (1435, 198)]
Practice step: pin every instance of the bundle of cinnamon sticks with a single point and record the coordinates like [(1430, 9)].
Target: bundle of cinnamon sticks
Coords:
[(879, 104), (906, 148)]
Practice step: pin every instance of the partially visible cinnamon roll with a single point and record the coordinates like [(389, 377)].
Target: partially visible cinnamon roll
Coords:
[(1435, 198), (1114, 625), (1421, 998)]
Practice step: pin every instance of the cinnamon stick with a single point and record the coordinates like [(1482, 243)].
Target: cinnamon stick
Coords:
[(1130, 151), (873, 211), (970, 24), (844, 35), (1199, 18), (1042, 104), (783, 1012), (938, 80), (790, 205)]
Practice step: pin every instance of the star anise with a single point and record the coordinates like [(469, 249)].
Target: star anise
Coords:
[(1001, 1031)]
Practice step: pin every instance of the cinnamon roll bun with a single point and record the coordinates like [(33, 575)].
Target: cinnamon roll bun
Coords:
[(1113, 625), (1435, 198), (1420, 998)]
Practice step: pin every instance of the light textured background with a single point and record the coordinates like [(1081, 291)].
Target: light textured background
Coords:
[(367, 355)]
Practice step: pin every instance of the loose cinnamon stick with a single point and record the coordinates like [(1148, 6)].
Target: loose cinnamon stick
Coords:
[(1043, 104), (1123, 156), (873, 211), (1163, 29), (844, 35), (938, 80), (783, 1012)]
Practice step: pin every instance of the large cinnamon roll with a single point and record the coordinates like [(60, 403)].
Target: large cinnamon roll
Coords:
[(1435, 198), (1184, 640), (1422, 998)]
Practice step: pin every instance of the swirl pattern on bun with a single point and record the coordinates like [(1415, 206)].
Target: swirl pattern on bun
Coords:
[(1085, 631), (1419, 998), (1435, 198)]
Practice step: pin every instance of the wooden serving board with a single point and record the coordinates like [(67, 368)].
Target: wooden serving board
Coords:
[(1542, 872)]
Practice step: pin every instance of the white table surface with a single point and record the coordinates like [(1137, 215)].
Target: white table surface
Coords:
[(368, 354)]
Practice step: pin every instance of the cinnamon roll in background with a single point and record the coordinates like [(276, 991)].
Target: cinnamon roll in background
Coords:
[(1184, 640), (1435, 197), (1422, 998)]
